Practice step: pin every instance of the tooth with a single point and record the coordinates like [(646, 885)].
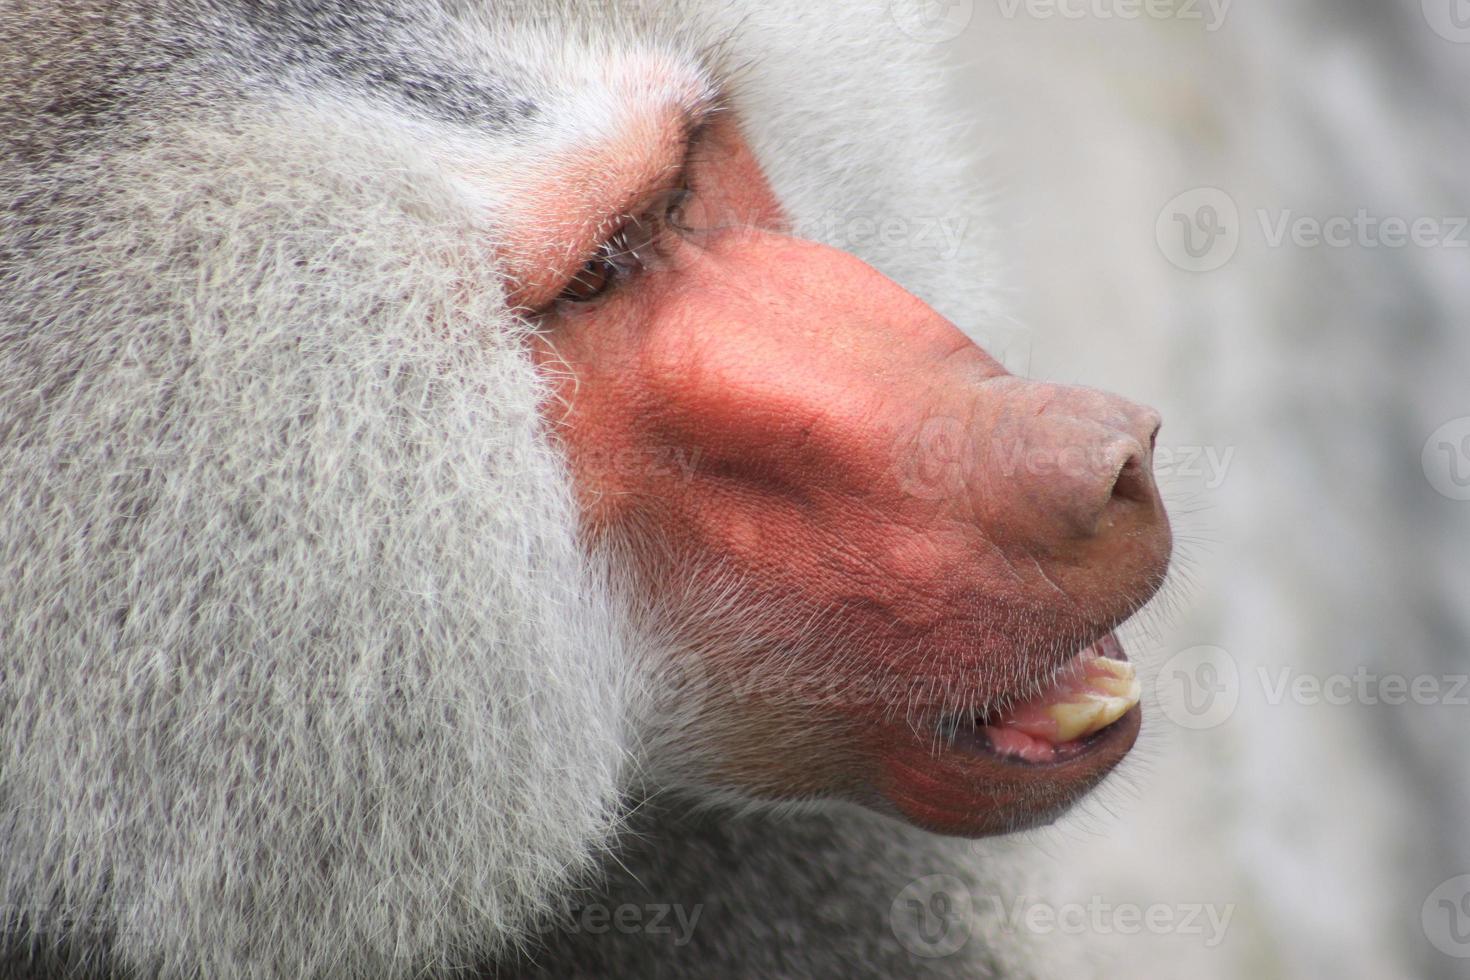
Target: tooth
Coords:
[(1112, 710), (1118, 668), (1082, 702), (1109, 699), (1118, 687), (1076, 718)]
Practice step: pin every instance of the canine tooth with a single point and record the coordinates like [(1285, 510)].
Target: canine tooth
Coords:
[(1083, 701), (1118, 668), (1118, 687), (1076, 718), (1112, 710)]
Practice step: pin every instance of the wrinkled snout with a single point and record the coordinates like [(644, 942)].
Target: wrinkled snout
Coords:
[(825, 426), (1080, 461), (1059, 479)]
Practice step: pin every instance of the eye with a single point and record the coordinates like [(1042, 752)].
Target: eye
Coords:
[(628, 250), (591, 281), (620, 256)]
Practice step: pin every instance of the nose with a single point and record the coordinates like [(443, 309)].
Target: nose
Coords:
[(1079, 464), (1103, 468)]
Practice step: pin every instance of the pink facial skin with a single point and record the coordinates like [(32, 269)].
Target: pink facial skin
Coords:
[(859, 464)]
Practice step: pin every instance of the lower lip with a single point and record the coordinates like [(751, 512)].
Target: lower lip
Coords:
[(967, 789)]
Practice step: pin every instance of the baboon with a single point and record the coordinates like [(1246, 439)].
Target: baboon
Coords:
[(459, 461)]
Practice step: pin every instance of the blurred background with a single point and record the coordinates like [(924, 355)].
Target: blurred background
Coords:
[(1253, 215)]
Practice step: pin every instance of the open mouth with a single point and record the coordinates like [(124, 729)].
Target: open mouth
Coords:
[(1080, 706), (1025, 764)]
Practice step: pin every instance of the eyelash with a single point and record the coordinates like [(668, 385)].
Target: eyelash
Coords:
[(624, 253)]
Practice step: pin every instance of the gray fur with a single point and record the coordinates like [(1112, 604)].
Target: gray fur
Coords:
[(808, 898), (303, 671)]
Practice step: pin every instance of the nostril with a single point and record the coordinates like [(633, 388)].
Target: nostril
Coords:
[(1083, 464), (1134, 481)]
